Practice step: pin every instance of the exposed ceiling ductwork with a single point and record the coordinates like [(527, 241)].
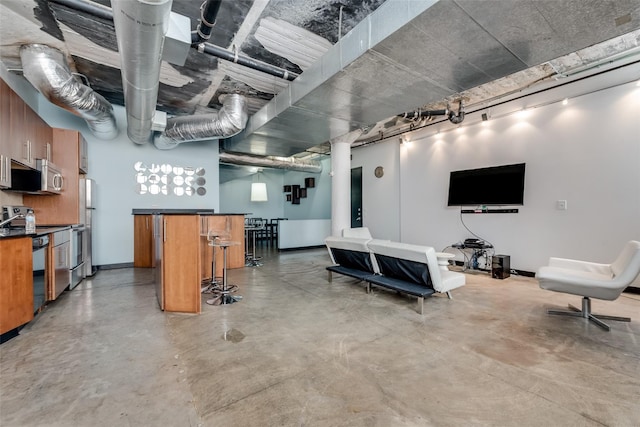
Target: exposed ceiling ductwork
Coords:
[(140, 29), (388, 57), (46, 69), (288, 163), (231, 119)]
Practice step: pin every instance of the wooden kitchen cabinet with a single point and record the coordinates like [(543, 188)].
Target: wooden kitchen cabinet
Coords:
[(63, 208), (178, 262), (143, 251), (19, 134), (16, 283), (5, 135), (41, 136)]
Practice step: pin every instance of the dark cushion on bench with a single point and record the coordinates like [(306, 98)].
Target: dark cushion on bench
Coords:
[(352, 272), (401, 285)]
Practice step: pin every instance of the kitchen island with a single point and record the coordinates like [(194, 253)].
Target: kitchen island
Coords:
[(175, 242)]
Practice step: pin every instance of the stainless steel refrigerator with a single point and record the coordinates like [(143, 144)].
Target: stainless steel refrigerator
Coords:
[(87, 206)]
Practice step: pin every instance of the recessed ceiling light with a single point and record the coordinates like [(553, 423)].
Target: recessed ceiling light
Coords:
[(565, 101)]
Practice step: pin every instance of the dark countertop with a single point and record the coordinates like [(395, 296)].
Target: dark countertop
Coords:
[(40, 231), (161, 211)]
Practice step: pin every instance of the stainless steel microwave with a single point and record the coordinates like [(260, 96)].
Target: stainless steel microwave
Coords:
[(46, 179), (52, 180)]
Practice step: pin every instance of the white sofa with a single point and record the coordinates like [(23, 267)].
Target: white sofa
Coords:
[(351, 257), (410, 269)]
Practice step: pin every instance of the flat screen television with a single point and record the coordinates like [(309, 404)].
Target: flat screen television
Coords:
[(497, 185)]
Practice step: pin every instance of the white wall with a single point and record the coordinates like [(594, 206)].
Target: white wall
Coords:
[(587, 153), (381, 196)]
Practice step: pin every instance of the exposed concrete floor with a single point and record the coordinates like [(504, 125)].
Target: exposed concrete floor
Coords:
[(300, 351)]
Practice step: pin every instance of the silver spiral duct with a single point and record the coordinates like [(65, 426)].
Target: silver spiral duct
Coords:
[(46, 69), (230, 120), (140, 29), (289, 163)]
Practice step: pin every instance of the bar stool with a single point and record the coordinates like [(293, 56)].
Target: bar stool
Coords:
[(252, 226), (222, 295), (213, 235), (210, 284)]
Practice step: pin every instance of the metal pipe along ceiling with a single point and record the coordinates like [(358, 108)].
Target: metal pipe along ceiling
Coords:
[(140, 29), (45, 68), (230, 120), (289, 163)]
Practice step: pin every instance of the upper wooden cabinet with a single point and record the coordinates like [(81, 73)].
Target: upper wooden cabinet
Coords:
[(27, 137), (63, 208), (5, 141), (41, 136)]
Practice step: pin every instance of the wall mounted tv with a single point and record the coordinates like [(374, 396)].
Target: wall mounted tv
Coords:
[(497, 185)]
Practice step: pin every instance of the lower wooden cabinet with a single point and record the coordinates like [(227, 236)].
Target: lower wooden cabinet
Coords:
[(16, 283), (178, 262), (143, 241)]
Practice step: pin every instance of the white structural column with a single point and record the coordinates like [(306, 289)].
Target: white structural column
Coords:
[(341, 181)]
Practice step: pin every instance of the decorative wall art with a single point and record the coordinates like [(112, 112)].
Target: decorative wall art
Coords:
[(296, 192), (166, 179)]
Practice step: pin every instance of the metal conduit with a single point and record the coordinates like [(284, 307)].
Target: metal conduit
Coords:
[(208, 13), (246, 61), (45, 68)]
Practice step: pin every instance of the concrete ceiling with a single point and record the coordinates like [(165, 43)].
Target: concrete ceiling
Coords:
[(401, 55)]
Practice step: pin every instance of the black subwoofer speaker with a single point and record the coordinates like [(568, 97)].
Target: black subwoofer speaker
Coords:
[(500, 266)]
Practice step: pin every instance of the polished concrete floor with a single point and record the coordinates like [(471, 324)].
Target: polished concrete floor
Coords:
[(298, 351)]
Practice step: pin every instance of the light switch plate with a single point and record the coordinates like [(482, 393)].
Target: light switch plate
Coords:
[(561, 205)]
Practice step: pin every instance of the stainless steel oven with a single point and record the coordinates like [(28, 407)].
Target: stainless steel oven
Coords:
[(61, 262), (77, 252)]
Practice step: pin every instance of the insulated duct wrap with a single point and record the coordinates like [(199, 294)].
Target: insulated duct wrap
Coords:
[(140, 29), (230, 120), (46, 69), (289, 163)]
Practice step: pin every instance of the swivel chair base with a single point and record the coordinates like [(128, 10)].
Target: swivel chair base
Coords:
[(586, 313), (223, 296)]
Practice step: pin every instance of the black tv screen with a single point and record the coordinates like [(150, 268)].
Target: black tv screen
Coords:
[(497, 185)]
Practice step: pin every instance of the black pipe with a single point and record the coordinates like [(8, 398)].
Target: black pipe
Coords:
[(423, 113), (89, 7), (453, 118), (208, 13), (456, 119), (246, 61)]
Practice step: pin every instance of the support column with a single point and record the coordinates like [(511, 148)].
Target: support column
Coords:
[(341, 181)]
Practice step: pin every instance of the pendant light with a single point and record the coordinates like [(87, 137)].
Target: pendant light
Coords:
[(258, 189)]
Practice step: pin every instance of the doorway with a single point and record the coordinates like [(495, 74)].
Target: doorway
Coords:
[(356, 197)]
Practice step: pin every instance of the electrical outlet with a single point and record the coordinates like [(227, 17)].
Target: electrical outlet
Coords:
[(561, 205)]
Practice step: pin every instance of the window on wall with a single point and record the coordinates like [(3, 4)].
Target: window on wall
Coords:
[(169, 180)]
